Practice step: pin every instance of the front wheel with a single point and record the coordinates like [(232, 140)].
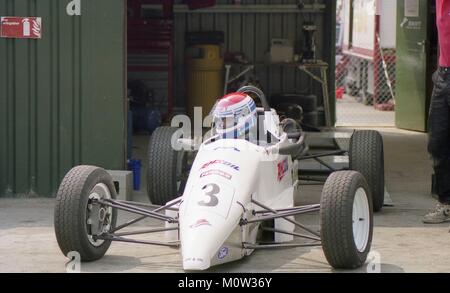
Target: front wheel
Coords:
[(79, 218), (346, 220)]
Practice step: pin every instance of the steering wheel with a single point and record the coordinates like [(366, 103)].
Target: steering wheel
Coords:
[(259, 93)]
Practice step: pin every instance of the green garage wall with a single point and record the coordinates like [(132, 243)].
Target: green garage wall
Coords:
[(62, 98)]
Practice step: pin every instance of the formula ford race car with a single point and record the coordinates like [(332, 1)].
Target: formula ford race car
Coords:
[(230, 197)]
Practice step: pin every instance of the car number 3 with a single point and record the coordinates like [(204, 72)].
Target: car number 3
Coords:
[(211, 192)]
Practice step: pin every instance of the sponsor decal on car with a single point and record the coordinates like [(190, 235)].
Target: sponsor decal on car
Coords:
[(221, 162), (228, 148), (193, 259), (283, 167), (223, 253), (216, 172), (199, 223)]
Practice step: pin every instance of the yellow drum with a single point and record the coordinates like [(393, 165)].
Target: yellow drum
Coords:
[(204, 80)]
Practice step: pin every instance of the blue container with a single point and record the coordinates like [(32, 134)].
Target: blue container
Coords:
[(135, 166)]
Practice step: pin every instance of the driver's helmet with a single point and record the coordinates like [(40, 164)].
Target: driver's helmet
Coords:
[(234, 116)]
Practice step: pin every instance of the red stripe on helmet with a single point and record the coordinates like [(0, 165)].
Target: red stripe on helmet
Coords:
[(231, 99)]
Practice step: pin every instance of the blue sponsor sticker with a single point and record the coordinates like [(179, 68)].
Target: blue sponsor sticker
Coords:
[(223, 252)]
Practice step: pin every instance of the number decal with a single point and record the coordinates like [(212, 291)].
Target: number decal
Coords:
[(210, 197), (212, 200)]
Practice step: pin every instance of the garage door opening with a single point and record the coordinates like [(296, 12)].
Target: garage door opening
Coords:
[(150, 78), (183, 54), (366, 63)]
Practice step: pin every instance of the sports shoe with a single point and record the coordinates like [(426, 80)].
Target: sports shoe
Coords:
[(440, 214)]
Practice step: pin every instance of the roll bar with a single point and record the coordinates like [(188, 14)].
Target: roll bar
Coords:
[(259, 93), (292, 149)]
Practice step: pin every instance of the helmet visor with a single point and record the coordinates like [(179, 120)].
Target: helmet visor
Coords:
[(225, 123)]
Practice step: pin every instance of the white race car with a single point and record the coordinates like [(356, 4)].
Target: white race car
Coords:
[(236, 196)]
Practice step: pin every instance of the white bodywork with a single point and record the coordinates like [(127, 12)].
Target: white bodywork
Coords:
[(239, 197), (225, 177)]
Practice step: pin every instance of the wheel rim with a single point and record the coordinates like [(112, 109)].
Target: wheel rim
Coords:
[(361, 220), (103, 215)]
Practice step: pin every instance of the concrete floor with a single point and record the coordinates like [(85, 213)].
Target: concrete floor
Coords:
[(27, 241), (351, 113)]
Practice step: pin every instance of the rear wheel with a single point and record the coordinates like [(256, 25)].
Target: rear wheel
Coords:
[(366, 156), (307, 102), (346, 220), (167, 168), (79, 219), (311, 119)]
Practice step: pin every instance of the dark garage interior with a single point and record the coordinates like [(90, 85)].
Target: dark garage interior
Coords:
[(175, 49)]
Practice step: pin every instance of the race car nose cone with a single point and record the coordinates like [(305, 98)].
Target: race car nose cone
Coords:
[(197, 249)]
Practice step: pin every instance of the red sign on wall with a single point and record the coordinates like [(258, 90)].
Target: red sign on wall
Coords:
[(21, 27)]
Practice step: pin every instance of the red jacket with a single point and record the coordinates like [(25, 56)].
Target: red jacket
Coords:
[(443, 24)]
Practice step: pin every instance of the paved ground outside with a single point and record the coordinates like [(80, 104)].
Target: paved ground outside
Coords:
[(352, 113), (28, 244)]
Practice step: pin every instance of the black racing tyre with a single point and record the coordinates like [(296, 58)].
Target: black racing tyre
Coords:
[(311, 119), (366, 155), (307, 102), (346, 220), (76, 214), (166, 174)]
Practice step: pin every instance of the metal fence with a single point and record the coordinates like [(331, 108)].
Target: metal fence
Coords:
[(365, 88)]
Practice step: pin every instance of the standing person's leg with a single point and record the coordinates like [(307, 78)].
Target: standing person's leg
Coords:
[(439, 145)]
